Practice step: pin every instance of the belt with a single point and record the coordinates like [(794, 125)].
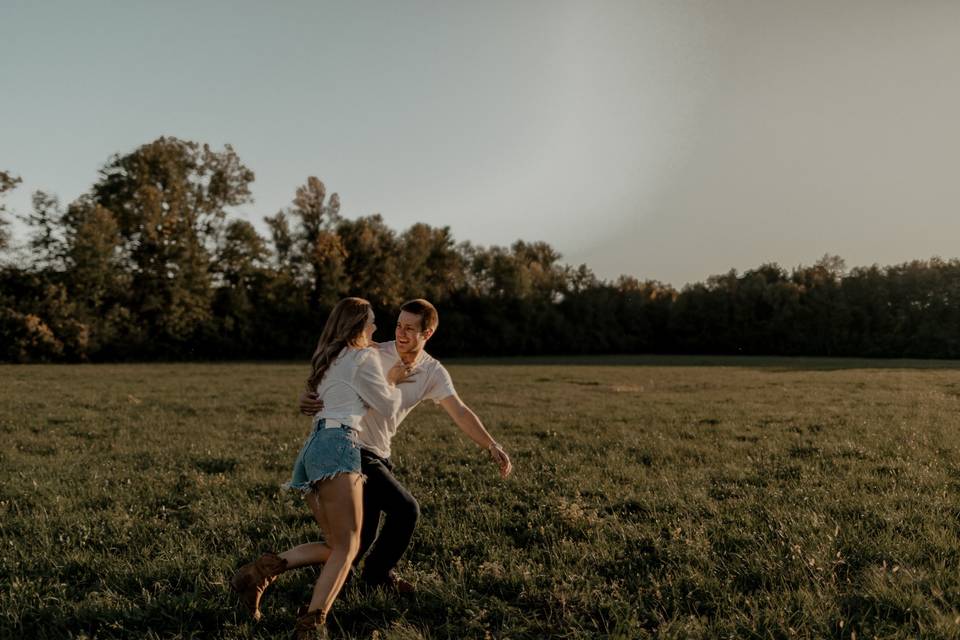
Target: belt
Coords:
[(330, 423)]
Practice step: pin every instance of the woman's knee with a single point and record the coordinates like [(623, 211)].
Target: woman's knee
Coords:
[(346, 539), (352, 545)]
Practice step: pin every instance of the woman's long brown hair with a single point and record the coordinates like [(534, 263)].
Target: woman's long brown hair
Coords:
[(344, 325)]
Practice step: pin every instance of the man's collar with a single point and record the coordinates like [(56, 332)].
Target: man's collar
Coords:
[(392, 344), (420, 357)]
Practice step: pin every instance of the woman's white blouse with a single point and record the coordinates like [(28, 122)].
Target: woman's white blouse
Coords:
[(353, 383)]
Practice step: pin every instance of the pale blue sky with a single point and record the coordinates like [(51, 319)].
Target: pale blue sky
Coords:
[(666, 140)]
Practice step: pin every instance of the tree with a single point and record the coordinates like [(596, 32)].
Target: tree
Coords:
[(318, 250), (46, 221), (642, 310), (241, 270), (7, 183), (821, 324), (372, 260), (539, 262), (581, 279), (98, 279), (168, 199), (38, 320), (94, 267), (282, 240), (242, 253), (430, 265), (526, 270)]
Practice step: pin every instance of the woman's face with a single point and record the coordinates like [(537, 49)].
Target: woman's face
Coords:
[(366, 338)]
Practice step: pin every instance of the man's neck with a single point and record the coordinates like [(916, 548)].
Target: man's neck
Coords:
[(410, 357)]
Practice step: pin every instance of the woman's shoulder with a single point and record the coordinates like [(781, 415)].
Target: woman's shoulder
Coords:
[(361, 354), (365, 359)]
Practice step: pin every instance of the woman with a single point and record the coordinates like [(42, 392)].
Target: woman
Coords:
[(347, 376)]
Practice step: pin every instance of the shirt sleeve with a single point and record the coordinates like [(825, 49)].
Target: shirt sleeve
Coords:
[(440, 385), (371, 385)]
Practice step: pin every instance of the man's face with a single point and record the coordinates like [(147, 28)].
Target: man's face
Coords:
[(411, 335)]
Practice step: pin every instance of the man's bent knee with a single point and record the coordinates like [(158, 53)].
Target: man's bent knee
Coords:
[(412, 510)]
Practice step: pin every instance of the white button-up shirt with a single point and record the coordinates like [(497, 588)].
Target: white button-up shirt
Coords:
[(353, 383)]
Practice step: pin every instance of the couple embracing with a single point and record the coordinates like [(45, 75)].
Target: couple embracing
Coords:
[(359, 392)]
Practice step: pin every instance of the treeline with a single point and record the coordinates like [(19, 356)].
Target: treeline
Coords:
[(148, 265)]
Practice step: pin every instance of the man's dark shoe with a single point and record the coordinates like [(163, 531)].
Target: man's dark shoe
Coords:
[(393, 582)]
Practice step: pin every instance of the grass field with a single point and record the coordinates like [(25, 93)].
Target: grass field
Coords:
[(652, 497)]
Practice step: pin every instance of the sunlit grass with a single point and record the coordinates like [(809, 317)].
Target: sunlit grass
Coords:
[(664, 497)]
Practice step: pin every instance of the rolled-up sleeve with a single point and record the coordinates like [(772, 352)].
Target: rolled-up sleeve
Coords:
[(371, 385), (441, 386)]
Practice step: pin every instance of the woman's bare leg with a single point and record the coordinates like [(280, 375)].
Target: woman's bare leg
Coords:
[(310, 553), (341, 509), (306, 554)]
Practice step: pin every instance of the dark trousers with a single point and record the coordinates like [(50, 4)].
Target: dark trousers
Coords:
[(383, 493)]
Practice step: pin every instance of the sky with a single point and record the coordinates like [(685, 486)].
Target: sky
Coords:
[(665, 140)]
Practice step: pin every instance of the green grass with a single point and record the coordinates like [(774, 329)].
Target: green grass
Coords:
[(673, 498)]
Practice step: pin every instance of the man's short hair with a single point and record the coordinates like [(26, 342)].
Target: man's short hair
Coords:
[(429, 318)]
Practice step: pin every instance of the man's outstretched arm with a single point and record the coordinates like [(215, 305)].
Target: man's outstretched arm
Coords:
[(470, 424)]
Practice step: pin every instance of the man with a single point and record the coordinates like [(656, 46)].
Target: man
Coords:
[(382, 492)]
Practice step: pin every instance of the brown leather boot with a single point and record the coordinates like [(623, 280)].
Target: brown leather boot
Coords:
[(310, 625), (253, 578)]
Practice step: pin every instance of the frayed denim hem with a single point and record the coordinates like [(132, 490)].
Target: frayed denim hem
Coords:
[(306, 487), (325, 454)]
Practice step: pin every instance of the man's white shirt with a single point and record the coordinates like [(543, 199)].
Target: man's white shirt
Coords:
[(430, 381)]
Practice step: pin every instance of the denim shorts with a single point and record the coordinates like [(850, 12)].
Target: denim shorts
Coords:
[(325, 454)]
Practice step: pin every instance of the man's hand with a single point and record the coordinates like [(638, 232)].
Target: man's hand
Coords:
[(501, 458), (470, 424), (310, 404)]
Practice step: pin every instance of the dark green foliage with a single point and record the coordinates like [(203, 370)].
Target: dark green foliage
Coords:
[(168, 201), (148, 266)]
